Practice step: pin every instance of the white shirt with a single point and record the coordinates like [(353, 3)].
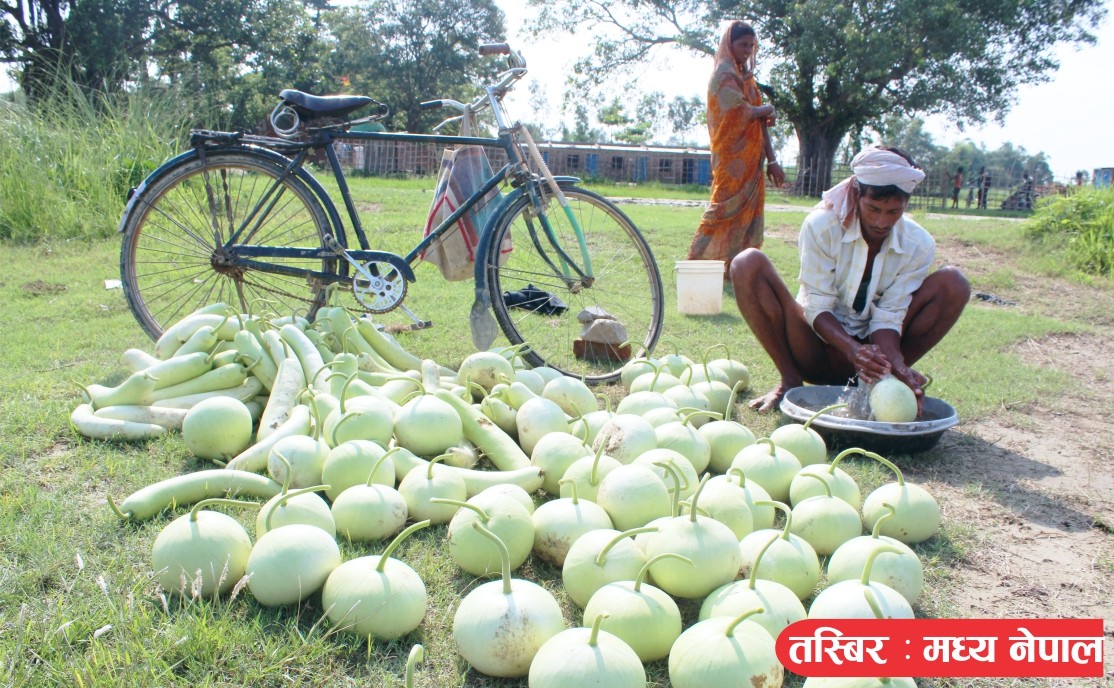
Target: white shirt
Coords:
[(832, 264)]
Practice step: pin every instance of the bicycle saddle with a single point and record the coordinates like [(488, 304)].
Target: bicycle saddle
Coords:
[(308, 105)]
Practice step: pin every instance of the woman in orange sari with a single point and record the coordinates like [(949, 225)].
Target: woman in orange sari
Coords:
[(740, 143)]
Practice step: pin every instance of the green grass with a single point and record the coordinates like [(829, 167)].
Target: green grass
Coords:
[(78, 604), (66, 164)]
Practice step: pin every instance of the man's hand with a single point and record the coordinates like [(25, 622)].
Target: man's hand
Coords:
[(914, 381), (870, 363)]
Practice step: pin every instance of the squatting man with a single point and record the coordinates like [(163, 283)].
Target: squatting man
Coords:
[(869, 303)]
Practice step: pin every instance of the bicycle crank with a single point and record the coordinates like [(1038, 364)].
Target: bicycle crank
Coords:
[(378, 286)]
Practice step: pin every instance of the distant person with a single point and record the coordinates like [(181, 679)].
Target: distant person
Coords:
[(984, 186), (869, 303), (957, 186), (1079, 178), (1026, 191), (742, 156)]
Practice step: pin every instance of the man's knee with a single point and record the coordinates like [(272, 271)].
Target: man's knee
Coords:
[(747, 265), (952, 285)]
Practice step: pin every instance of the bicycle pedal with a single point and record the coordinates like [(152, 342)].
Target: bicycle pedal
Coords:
[(408, 327)]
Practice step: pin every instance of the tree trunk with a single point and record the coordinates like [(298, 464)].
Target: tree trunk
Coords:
[(817, 146)]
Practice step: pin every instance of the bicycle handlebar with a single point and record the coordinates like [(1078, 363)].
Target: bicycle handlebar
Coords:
[(492, 92)]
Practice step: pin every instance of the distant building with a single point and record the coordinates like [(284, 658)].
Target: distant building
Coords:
[(613, 161), (1103, 178)]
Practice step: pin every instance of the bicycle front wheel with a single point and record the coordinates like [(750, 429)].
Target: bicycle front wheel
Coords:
[(524, 267), (175, 258)]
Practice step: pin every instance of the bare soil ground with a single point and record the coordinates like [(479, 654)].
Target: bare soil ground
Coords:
[(1035, 482)]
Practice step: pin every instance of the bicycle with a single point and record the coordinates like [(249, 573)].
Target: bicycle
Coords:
[(239, 218)]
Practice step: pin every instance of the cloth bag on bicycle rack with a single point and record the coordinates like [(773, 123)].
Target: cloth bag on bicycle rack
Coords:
[(463, 172)]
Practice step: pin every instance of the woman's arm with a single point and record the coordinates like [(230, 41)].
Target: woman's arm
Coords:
[(774, 173)]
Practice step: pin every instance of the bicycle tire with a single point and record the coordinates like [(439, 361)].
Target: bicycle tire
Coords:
[(170, 257), (627, 283)]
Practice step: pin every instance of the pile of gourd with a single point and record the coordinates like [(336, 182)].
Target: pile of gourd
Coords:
[(346, 434)]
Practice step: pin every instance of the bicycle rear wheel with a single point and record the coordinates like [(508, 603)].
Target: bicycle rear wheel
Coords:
[(173, 259), (626, 284)]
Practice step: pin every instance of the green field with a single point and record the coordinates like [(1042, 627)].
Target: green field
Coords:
[(78, 603)]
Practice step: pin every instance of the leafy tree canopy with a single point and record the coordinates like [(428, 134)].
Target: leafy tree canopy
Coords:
[(835, 67), (403, 52)]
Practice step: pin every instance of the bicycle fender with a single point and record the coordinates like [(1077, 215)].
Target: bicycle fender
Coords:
[(309, 180), (479, 274)]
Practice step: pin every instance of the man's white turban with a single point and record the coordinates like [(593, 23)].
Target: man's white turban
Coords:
[(874, 167)]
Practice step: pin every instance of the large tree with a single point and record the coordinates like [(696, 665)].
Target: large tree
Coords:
[(839, 66), (403, 52), (233, 55)]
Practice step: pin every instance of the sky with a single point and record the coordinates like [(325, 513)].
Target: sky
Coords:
[(1070, 119)]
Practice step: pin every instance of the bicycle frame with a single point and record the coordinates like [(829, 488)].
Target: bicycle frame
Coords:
[(247, 255), (289, 157)]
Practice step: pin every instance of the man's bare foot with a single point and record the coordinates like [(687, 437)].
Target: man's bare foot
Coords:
[(770, 400)]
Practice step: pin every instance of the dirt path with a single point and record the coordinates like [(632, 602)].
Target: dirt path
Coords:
[(1036, 483)]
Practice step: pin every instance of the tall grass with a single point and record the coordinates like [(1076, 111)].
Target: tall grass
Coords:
[(68, 160), (1081, 225)]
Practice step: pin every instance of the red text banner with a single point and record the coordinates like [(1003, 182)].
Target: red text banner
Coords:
[(955, 648)]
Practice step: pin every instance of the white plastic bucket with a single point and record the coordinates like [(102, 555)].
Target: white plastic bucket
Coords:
[(699, 286)]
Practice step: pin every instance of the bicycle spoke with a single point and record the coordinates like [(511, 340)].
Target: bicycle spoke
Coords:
[(625, 284), (172, 264)]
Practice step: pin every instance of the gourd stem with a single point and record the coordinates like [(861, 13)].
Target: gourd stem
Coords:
[(218, 500), (344, 391), (289, 470), (696, 496), (429, 466), (381, 566), (892, 466), (417, 654), (123, 516), (885, 549), (378, 463), (731, 399), (740, 472), (827, 487), (462, 505), (843, 454), (730, 630), (890, 513), (504, 555), (872, 602), (602, 557), (286, 496), (594, 476), (822, 412), (671, 469), (642, 572), (757, 561), (784, 509), (594, 636), (572, 488), (714, 415)]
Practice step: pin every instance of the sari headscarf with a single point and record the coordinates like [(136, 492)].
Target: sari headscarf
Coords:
[(873, 167), (733, 220)]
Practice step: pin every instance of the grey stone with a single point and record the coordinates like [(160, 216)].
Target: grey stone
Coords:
[(605, 331), (592, 313)]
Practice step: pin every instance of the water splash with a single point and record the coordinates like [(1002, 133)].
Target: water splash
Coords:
[(857, 398)]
